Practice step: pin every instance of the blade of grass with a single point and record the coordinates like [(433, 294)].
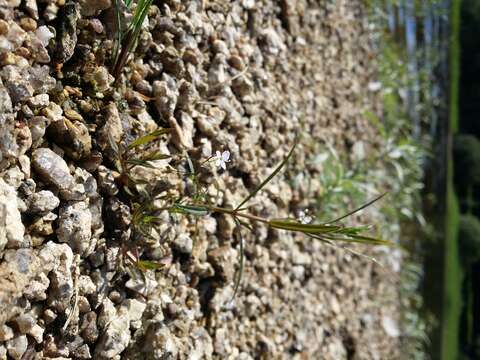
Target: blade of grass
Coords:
[(357, 209), (190, 164), (138, 162), (267, 180), (149, 265), (129, 39), (118, 31), (148, 138), (354, 252), (357, 239), (189, 209), (305, 228), (155, 155)]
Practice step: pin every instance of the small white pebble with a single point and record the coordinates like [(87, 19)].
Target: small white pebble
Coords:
[(44, 34)]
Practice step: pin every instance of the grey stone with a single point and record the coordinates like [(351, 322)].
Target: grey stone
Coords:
[(106, 181), (61, 281), (37, 333), (144, 286), (110, 134), (72, 137), (54, 170), (38, 125), (5, 101), (24, 162), (24, 322), (17, 84), (40, 79), (38, 101), (83, 352), (100, 78), (53, 112), (222, 259), (11, 227), (32, 8), (115, 338), (23, 83), (183, 243), (16, 347), (6, 333), (14, 177), (66, 39), (37, 288), (88, 328), (8, 144), (133, 308), (75, 227), (43, 201)]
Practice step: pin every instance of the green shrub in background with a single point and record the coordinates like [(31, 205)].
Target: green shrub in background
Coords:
[(469, 238), (466, 152)]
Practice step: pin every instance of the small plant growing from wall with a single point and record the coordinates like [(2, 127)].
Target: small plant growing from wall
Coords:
[(145, 213)]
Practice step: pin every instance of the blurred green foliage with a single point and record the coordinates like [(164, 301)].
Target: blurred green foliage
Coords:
[(469, 238)]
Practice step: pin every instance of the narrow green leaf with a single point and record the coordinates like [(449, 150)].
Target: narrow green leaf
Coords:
[(305, 228), (190, 209), (148, 265), (141, 12), (118, 31), (246, 225), (154, 155), (354, 252), (190, 164), (372, 240), (148, 138), (150, 219), (357, 209), (354, 230), (359, 239), (270, 177), (139, 162)]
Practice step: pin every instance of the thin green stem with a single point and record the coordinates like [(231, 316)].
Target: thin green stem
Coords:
[(235, 212)]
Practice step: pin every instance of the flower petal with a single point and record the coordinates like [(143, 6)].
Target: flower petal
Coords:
[(226, 155), (223, 165)]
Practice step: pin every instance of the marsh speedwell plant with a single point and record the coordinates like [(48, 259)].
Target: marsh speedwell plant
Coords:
[(146, 214)]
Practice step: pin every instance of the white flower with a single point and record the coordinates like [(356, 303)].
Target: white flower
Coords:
[(304, 217), (221, 159)]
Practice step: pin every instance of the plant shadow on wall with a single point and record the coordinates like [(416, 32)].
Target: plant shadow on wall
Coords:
[(149, 207)]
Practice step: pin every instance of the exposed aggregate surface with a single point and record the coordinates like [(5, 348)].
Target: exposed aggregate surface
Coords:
[(246, 76)]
